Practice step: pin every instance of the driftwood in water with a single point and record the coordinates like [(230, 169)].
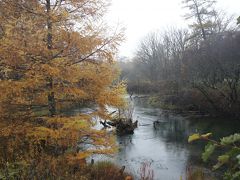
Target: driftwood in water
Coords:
[(105, 124), (123, 126), (122, 120)]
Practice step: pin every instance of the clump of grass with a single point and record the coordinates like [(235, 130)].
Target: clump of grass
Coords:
[(106, 170), (198, 173), (195, 174)]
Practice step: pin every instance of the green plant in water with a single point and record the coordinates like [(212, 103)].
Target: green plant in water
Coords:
[(230, 158)]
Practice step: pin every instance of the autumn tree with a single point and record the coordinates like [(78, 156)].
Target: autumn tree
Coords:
[(202, 13), (54, 53)]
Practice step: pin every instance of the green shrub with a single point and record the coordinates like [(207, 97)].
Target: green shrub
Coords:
[(229, 160)]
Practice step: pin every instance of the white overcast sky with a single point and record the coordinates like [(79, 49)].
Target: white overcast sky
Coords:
[(140, 17)]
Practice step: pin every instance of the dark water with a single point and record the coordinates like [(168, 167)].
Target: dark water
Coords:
[(165, 147)]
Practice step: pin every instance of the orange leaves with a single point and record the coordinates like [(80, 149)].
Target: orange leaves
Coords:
[(13, 130), (26, 57), (78, 156), (31, 71), (113, 96), (49, 70), (71, 93), (43, 133), (61, 130)]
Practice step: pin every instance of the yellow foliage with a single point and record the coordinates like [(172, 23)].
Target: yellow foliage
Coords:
[(54, 54)]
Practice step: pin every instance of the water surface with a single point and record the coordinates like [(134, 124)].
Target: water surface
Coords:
[(165, 145)]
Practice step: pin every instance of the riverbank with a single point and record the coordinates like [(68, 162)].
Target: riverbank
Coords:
[(185, 104)]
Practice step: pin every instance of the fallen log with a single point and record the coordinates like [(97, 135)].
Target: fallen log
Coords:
[(105, 124), (123, 126), (114, 124)]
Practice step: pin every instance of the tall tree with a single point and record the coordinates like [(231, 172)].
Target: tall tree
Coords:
[(54, 53), (202, 11)]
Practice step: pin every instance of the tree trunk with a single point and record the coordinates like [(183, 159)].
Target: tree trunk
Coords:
[(51, 99), (201, 24), (51, 95)]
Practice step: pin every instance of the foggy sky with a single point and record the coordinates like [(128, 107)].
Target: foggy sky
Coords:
[(140, 17)]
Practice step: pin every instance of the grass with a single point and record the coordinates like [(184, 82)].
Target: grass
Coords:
[(99, 171), (106, 170), (198, 173)]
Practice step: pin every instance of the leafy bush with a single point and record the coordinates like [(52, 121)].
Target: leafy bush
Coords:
[(229, 160)]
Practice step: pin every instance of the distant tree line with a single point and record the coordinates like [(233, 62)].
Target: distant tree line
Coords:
[(196, 68)]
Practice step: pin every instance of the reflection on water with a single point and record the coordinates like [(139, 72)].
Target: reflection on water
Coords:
[(165, 144)]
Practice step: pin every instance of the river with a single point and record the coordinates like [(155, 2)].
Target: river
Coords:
[(164, 147)]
